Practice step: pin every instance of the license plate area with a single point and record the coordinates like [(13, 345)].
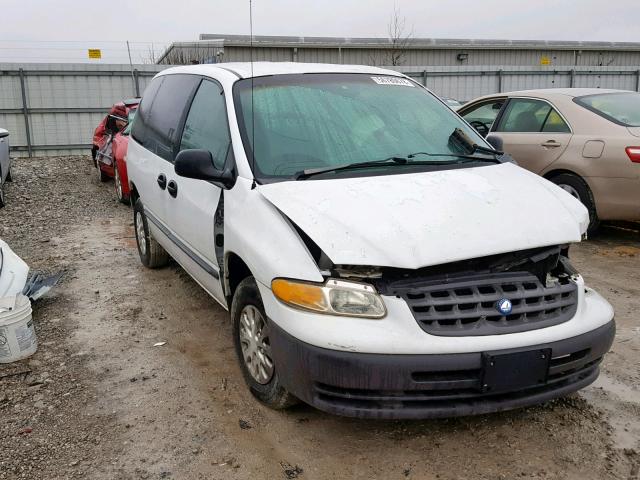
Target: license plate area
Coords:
[(514, 371)]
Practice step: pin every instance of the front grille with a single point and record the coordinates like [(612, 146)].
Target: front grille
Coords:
[(466, 305)]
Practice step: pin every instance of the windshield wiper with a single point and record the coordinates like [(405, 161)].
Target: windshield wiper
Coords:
[(461, 138), (348, 166), (464, 157)]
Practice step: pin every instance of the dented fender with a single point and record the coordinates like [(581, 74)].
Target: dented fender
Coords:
[(263, 238)]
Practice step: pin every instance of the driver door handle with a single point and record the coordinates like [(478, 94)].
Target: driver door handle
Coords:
[(551, 144), (172, 188), (162, 181)]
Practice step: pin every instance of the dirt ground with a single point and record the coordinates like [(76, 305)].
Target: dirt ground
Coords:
[(99, 401)]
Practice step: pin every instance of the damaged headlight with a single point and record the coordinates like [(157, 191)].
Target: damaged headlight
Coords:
[(334, 297)]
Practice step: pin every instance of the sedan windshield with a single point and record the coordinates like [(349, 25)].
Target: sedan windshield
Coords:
[(318, 121), (622, 108)]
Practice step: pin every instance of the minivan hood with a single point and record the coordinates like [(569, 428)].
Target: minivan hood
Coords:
[(416, 220)]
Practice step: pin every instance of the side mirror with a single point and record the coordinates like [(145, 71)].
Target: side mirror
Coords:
[(198, 164), (495, 142)]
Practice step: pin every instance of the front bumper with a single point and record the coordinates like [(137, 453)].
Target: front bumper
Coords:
[(427, 386)]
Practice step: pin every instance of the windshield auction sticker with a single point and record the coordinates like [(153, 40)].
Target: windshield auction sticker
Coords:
[(403, 82)]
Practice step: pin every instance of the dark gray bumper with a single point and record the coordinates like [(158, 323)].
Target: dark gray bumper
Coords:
[(428, 386)]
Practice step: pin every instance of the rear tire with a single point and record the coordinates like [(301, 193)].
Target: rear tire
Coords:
[(253, 348), (9, 175), (1, 193), (579, 189), (152, 255)]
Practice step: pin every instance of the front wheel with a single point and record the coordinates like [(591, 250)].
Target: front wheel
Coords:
[(253, 347), (579, 189), (152, 255), (117, 183), (9, 175), (102, 177)]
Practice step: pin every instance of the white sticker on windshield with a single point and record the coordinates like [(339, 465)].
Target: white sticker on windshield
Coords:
[(393, 81)]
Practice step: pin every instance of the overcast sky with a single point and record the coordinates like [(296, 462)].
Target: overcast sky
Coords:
[(62, 30)]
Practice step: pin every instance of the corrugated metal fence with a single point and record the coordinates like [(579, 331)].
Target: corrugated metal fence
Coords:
[(53, 109)]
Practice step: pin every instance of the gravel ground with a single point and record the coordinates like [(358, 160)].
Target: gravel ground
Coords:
[(98, 400)]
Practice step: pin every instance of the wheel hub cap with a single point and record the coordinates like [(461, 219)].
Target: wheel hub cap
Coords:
[(256, 348), (570, 190)]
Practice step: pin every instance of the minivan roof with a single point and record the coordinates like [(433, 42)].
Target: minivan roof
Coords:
[(260, 69)]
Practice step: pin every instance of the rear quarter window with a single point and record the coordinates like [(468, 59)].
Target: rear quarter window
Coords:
[(622, 108)]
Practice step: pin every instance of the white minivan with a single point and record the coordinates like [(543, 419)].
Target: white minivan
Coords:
[(377, 256)]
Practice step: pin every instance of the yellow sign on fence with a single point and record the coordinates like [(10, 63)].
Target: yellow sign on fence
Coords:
[(544, 60), (95, 53)]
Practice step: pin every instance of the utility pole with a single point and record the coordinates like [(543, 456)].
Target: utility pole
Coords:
[(133, 78)]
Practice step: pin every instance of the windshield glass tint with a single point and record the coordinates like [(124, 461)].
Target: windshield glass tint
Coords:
[(621, 108), (314, 121)]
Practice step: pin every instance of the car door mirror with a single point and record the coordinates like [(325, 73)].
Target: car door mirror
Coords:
[(495, 142), (199, 165)]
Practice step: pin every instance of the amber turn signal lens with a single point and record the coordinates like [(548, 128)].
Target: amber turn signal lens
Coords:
[(303, 295)]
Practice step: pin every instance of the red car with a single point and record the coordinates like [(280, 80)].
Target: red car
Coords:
[(110, 142)]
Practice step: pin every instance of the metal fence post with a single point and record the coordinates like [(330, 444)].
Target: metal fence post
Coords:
[(499, 72), (637, 80), (424, 78), (25, 112), (572, 78), (136, 81)]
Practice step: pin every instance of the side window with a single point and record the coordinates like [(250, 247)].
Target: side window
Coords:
[(531, 116), (206, 126), (167, 114), (481, 117), (139, 127)]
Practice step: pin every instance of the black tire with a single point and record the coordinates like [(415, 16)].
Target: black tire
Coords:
[(9, 175), (578, 188), (152, 255), (117, 185), (1, 194), (272, 393), (101, 176)]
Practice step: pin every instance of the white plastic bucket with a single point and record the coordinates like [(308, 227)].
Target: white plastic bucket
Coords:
[(17, 335)]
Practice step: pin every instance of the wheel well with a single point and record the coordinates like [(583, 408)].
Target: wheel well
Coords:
[(236, 271), (555, 173)]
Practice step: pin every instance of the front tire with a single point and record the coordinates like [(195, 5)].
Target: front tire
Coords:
[(9, 175), (578, 188), (152, 255), (102, 177), (253, 348), (1, 194), (117, 182)]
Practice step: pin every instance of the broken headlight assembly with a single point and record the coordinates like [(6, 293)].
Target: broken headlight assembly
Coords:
[(334, 297)]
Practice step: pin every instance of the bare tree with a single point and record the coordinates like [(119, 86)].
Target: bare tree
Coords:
[(399, 41), (399, 37)]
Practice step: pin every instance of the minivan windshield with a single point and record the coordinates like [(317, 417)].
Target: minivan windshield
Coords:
[(622, 108), (305, 122)]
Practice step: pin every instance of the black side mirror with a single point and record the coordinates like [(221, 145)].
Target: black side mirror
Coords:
[(198, 164), (495, 142)]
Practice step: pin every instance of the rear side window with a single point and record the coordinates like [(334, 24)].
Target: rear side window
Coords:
[(139, 127), (206, 126), (167, 114), (531, 116), (621, 108)]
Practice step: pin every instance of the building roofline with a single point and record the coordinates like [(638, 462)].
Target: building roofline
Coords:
[(413, 43)]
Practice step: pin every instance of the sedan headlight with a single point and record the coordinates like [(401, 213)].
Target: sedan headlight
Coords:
[(334, 297)]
